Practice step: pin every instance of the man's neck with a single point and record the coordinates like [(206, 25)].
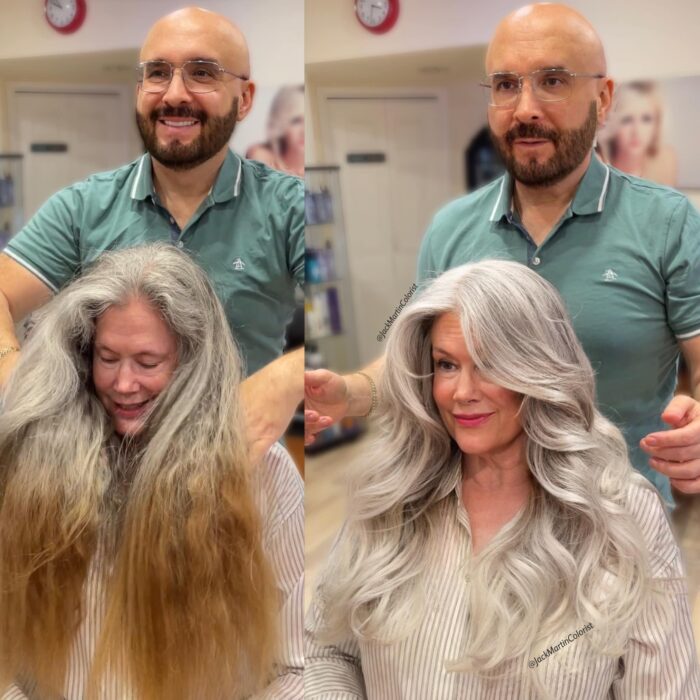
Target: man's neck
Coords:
[(187, 185), (559, 194), (540, 208)]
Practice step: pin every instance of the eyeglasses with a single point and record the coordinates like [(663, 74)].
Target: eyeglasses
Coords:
[(548, 85), (198, 76)]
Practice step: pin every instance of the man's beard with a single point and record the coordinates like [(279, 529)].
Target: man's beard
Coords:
[(215, 133), (571, 146)]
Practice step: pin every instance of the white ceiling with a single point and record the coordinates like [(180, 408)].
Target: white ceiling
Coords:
[(424, 68), (104, 67)]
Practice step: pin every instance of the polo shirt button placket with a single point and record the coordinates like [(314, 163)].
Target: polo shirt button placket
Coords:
[(536, 261), (180, 244)]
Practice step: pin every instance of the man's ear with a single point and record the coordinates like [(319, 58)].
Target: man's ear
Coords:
[(245, 102), (604, 99)]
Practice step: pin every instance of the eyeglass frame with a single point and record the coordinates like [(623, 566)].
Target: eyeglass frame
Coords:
[(521, 77), (173, 68)]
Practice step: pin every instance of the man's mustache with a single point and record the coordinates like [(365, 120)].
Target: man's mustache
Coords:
[(531, 131), (182, 112)]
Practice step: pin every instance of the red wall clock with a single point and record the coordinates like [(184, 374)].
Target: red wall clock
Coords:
[(377, 16), (65, 16)]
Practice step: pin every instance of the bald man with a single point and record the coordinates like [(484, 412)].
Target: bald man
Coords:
[(624, 253), (242, 222)]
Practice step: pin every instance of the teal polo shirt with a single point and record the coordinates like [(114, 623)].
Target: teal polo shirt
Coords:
[(625, 257), (248, 235)]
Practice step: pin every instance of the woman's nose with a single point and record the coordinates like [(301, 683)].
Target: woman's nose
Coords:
[(467, 388), (125, 381)]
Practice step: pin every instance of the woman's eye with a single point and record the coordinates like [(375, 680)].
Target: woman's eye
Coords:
[(444, 365)]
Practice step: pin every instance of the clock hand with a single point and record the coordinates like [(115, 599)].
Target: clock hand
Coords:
[(57, 3)]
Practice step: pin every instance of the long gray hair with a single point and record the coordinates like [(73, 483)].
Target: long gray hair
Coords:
[(547, 566), (191, 601)]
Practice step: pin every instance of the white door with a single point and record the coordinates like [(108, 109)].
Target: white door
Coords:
[(387, 205), (66, 136)]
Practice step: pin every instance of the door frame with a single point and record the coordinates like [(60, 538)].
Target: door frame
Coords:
[(126, 104), (325, 94)]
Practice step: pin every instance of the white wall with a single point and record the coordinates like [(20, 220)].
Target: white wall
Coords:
[(274, 29), (642, 38), (645, 42)]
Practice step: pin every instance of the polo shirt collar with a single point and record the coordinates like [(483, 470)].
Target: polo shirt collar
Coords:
[(589, 197), (504, 200), (228, 182), (591, 193), (226, 186)]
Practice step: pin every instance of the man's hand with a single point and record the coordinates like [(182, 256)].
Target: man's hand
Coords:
[(20, 293), (676, 452), (326, 401), (270, 397)]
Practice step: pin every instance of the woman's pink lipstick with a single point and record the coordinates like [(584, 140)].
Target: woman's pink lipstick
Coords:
[(472, 420)]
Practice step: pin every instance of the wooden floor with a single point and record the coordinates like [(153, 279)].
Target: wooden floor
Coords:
[(325, 508)]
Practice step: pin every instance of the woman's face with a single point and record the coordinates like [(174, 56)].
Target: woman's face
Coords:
[(294, 134), (481, 417), (637, 124), (134, 358)]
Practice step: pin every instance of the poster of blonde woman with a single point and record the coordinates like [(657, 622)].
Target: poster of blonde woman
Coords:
[(635, 139), (274, 133)]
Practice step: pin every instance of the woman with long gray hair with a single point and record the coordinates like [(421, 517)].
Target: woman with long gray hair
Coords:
[(141, 555), (498, 543)]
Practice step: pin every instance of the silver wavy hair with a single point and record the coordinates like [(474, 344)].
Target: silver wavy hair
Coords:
[(171, 514), (548, 565)]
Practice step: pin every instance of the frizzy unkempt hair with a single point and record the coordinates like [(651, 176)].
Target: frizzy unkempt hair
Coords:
[(191, 602), (547, 566)]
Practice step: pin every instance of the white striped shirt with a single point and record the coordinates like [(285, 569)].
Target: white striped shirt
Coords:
[(280, 497), (660, 660)]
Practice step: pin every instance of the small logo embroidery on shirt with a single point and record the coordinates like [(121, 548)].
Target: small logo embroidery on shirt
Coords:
[(609, 275), (238, 264)]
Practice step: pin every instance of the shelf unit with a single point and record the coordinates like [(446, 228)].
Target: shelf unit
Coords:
[(330, 321), (11, 196)]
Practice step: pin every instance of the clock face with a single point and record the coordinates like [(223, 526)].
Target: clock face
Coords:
[(377, 15), (372, 12), (65, 16)]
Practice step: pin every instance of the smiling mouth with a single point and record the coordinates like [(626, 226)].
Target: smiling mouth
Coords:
[(130, 407), (179, 124), (472, 420)]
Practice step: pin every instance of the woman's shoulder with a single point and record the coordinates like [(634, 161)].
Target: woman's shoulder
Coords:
[(663, 167), (649, 512), (280, 485)]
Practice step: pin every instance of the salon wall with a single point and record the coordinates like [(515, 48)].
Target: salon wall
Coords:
[(640, 42), (640, 39), (421, 52), (274, 29)]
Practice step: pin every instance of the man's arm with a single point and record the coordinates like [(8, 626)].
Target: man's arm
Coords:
[(676, 452), (20, 293), (329, 397), (691, 353), (270, 397)]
